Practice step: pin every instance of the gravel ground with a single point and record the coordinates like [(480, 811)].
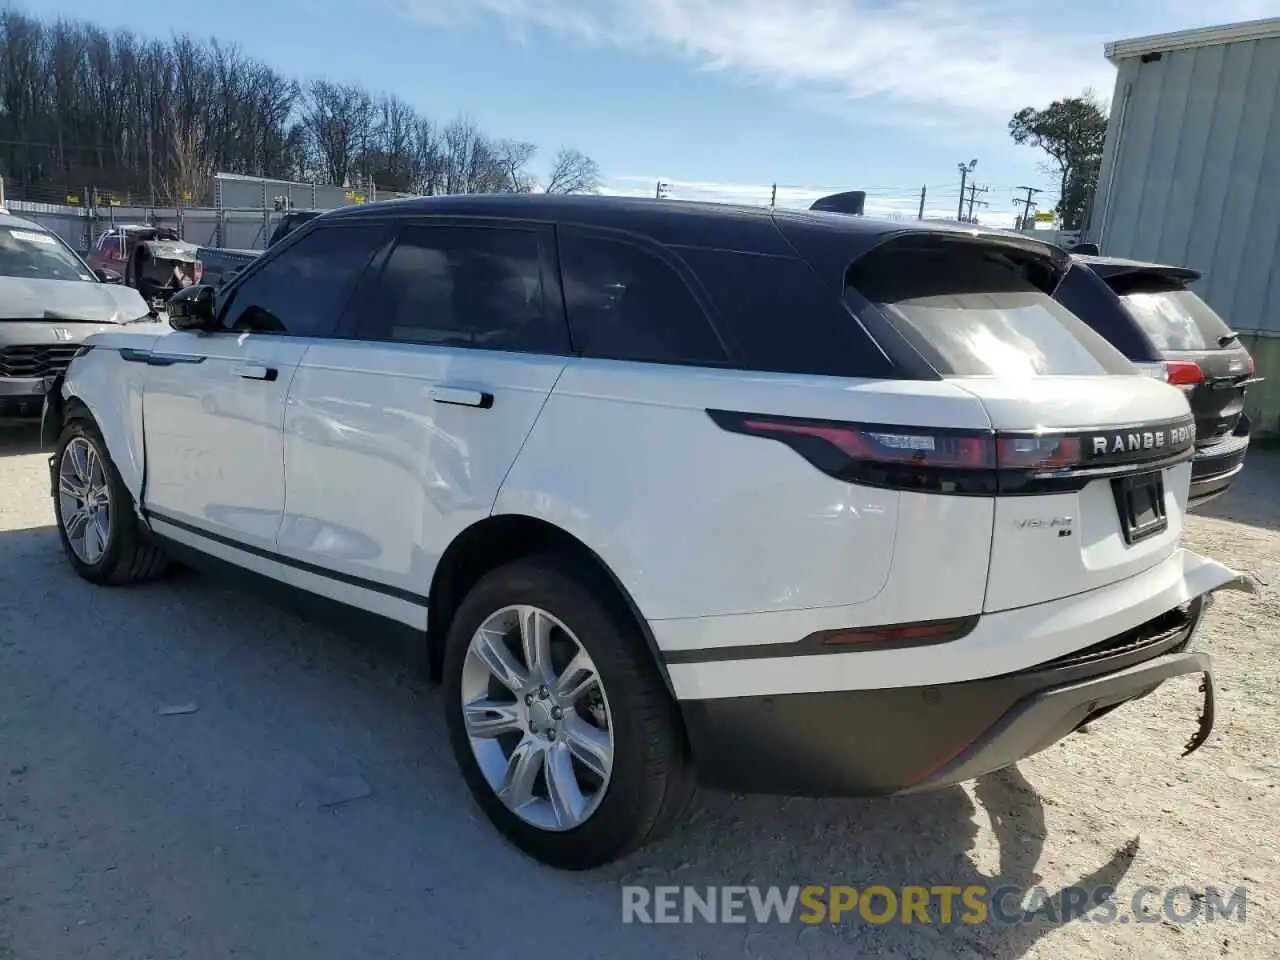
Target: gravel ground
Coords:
[(308, 806)]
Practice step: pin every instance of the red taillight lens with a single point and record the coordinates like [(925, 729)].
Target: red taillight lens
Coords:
[(972, 462), (927, 459), (1038, 451), (1184, 373), (942, 448)]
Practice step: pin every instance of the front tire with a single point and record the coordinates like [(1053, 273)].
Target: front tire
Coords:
[(97, 524), (558, 718)]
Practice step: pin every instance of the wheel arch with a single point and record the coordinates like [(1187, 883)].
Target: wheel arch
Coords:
[(103, 389), (72, 405), (503, 538)]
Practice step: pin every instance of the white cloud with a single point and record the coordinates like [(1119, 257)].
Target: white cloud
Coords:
[(922, 59)]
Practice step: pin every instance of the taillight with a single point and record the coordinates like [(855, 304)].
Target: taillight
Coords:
[(967, 462), (1184, 373), (904, 458)]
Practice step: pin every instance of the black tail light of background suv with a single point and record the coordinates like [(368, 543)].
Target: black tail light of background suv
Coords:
[(970, 462)]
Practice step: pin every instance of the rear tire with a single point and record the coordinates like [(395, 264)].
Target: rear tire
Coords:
[(97, 523), (649, 779)]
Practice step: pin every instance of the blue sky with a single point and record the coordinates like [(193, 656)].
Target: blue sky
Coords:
[(721, 98)]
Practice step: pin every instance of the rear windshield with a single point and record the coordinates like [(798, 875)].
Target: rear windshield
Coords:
[(1178, 320), (975, 310)]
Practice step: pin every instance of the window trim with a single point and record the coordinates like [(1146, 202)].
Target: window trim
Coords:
[(226, 295), (354, 323), (668, 255)]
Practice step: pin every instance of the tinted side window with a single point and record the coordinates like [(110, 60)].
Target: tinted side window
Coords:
[(783, 319), (625, 303), (303, 290), (466, 287)]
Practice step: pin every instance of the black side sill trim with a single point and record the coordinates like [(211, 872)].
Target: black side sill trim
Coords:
[(372, 585), (814, 645)]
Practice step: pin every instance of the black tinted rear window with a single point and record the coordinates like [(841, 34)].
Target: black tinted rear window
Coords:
[(975, 310), (626, 303), (1177, 319), (782, 318)]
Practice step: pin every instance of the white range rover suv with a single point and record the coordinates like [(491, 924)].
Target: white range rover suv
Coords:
[(664, 492)]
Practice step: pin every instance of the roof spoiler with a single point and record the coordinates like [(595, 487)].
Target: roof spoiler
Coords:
[(851, 202)]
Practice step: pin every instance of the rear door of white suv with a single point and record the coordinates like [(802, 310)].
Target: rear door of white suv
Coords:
[(399, 432)]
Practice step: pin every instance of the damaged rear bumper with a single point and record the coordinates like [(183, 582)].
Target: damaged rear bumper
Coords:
[(908, 739)]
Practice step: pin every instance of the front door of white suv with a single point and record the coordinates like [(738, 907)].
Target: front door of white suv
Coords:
[(213, 405), (399, 434)]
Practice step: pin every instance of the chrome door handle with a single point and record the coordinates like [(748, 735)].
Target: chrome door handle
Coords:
[(462, 397), (253, 371)]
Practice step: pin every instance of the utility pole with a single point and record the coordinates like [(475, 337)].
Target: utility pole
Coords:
[(773, 197), (920, 215), (151, 167), (974, 190), (661, 192), (1026, 206), (965, 170)]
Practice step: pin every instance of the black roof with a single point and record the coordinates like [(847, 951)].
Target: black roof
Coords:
[(819, 236)]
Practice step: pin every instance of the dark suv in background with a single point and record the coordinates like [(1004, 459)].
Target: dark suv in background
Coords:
[(1149, 313)]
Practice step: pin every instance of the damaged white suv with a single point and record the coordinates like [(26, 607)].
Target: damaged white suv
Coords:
[(664, 492)]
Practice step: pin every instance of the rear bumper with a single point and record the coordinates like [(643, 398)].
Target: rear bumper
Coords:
[(1215, 468), (879, 742), (720, 658)]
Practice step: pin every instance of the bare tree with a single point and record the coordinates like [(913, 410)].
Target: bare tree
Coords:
[(468, 163), (572, 171), (429, 165), (510, 158), (81, 106), (335, 115)]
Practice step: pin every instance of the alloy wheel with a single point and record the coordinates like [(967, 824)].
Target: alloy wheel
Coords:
[(537, 718), (84, 500)]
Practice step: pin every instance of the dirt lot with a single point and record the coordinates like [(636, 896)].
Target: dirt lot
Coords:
[(308, 807)]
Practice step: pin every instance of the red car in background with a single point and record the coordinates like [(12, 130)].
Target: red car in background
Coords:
[(112, 248)]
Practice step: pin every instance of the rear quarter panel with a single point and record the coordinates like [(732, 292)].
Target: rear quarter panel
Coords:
[(699, 522)]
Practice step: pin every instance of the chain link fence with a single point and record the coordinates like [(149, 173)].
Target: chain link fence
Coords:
[(244, 211)]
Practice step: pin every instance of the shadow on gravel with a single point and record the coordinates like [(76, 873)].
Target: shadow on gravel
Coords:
[(922, 840), (18, 440), (1254, 498), (307, 796)]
